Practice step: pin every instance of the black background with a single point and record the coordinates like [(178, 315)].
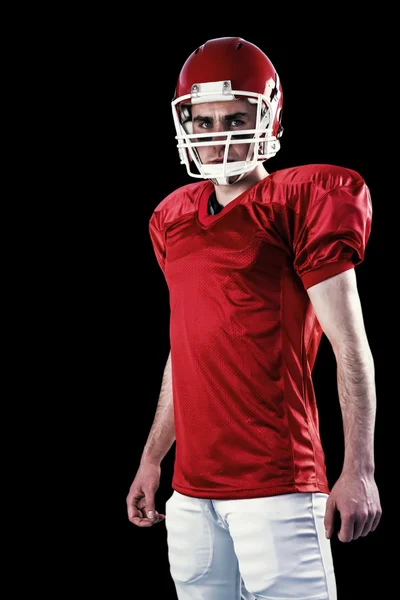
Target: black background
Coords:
[(331, 75)]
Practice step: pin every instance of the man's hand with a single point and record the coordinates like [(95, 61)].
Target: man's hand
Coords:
[(356, 498), (140, 501)]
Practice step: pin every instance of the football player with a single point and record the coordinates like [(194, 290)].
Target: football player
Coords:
[(258, 265)]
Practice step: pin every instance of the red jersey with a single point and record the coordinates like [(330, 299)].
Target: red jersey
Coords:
[(243, 333)]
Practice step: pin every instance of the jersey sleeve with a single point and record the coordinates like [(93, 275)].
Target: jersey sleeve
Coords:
[(157, 239), (334, 234)]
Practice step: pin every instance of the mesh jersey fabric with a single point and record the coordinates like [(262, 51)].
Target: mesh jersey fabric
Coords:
[(243, 333)]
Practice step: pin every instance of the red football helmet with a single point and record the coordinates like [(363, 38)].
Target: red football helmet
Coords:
[(228, 68)]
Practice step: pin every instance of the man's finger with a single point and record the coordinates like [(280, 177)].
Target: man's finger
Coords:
[(346, 531), (329, 519), (146, 522)]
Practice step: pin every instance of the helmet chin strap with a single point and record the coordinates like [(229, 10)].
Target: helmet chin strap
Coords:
[(227, 180), (223, 174)]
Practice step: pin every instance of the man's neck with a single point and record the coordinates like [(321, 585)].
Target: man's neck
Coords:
[(227, 193)]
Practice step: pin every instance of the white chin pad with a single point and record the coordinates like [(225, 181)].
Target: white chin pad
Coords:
[(221, 170)]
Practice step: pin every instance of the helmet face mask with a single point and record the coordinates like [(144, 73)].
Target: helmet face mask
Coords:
[(252, 70)]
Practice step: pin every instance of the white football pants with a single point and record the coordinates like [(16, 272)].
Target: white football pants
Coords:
[(270, 548)]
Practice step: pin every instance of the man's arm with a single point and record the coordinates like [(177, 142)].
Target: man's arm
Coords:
[(162, 432), (337, 305), (141, 497)]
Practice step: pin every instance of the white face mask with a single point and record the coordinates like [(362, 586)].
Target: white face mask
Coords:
[(262, 145)]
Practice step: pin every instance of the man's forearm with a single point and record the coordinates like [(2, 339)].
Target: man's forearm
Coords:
[(162, 432), (357, 396)]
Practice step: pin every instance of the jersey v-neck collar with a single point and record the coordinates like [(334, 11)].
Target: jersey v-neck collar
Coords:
[(203, 217)]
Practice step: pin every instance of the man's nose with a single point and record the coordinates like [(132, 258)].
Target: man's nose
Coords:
[(219, 128)]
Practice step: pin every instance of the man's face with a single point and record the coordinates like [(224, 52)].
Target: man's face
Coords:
[(217, 117)]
